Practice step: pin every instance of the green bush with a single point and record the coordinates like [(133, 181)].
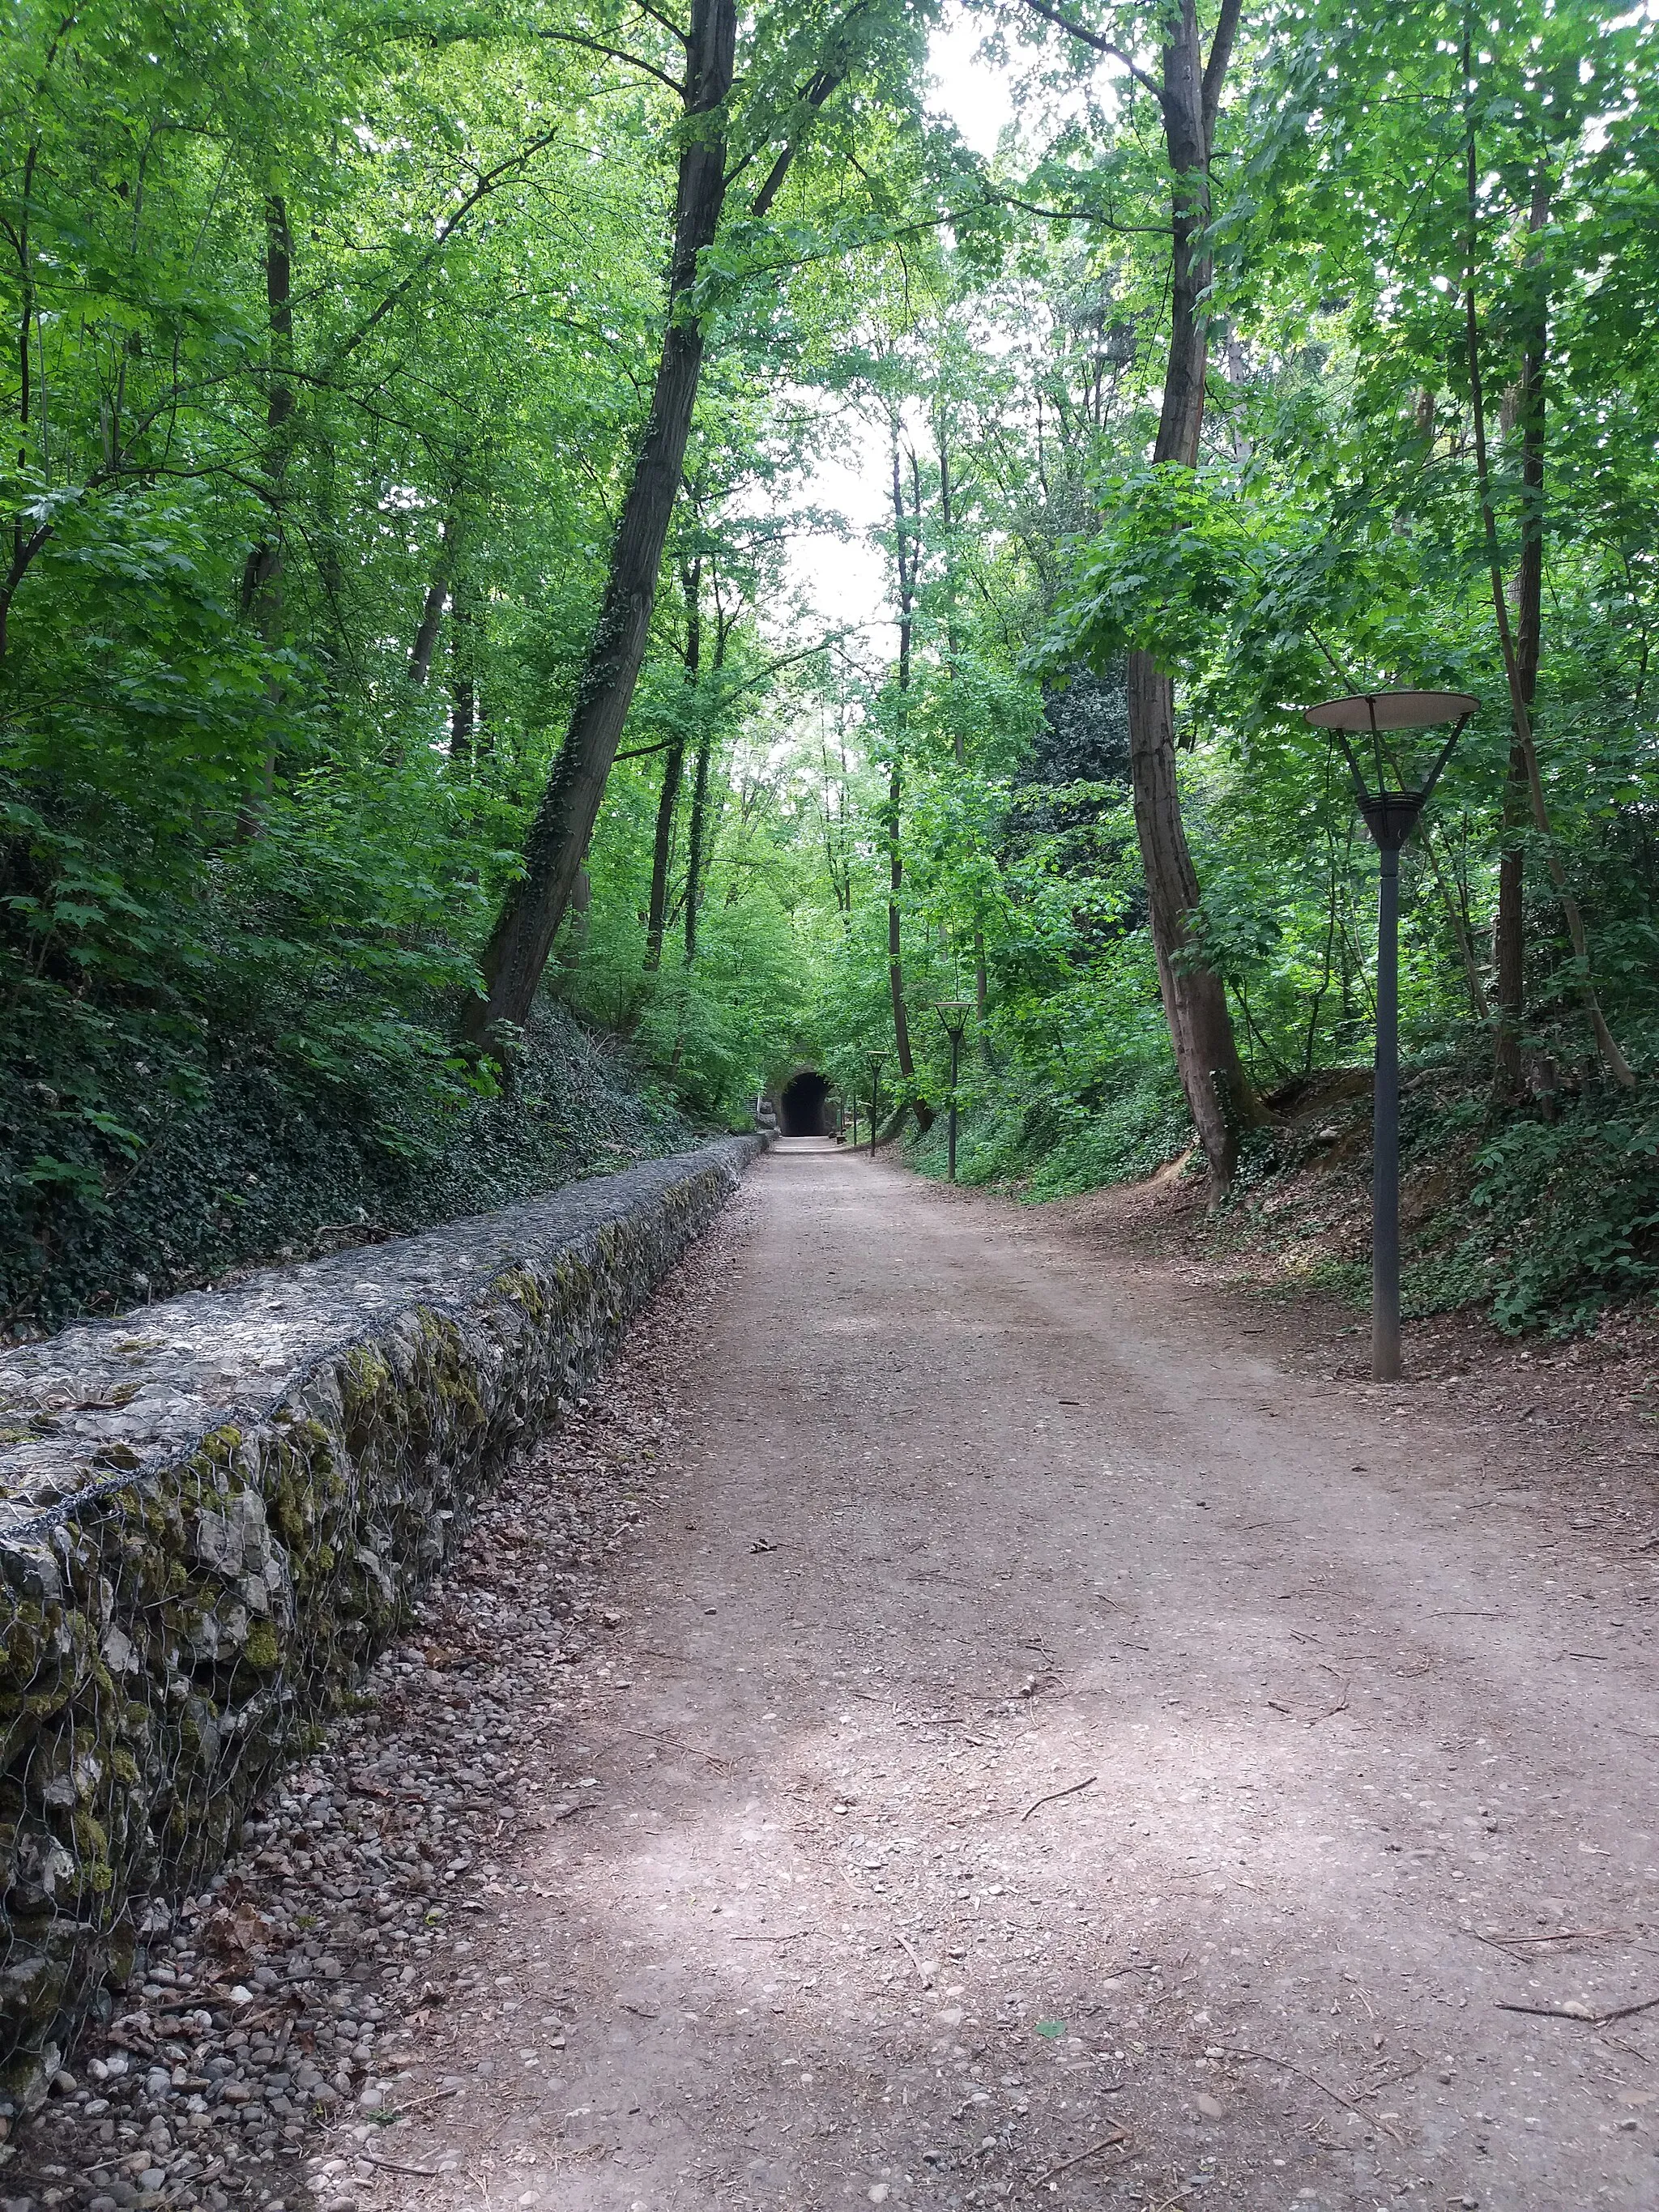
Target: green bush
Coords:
[(1565, 1215)]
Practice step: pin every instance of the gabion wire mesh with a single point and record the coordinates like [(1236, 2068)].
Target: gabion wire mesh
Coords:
[(171, 1625)]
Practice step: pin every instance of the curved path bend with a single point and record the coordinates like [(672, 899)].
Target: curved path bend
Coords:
[(1048, 1754)]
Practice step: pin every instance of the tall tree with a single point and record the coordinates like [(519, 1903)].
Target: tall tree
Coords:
[(437, 599), (907, 555), (517, 952), (700, 832), (1188, 90), (1509, 927), (1521, 675), (673, 768)]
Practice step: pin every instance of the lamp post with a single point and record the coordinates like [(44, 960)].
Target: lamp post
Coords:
[(875, 1060), (953, 1016), (1390, 811)]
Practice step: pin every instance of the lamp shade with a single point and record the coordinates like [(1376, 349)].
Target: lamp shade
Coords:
[(1391, 710)]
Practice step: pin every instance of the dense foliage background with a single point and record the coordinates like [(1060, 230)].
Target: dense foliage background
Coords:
[(329, 339)]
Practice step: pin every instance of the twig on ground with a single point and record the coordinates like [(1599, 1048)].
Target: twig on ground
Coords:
[(1265, 2058), (1055, 1795), (910, 1955), (1582, 2014), (389, 2166), (1106, 2142), (1561, 1936), (434, 2097), (691, 1750)]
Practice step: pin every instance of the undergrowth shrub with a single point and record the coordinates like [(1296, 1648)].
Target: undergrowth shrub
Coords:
[(1564, 1216), (1051, 1146), (268, 1160)]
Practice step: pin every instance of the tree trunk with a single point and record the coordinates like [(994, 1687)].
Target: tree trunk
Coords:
[(1510, 933), (694, 843), (1219, 1094), (426, 634), (518, 949), (673, 773), (701, 838), (463, 674), (25, 541), (431, 611), (581, 905), (673, 768), (1519, 711), (959, 743), (905, 555), (262, 571)]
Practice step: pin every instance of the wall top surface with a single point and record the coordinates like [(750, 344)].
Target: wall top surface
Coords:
[(86, 1410)]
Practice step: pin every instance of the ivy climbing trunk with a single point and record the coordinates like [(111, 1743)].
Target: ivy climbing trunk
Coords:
[(523, 936), (463, 674), (696, 842)]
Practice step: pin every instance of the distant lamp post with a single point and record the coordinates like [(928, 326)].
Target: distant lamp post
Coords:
[(953, 1015), (875, 1060), (1390, 804)]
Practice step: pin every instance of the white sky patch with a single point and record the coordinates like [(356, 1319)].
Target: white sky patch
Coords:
[(976, 97), (849, 581)]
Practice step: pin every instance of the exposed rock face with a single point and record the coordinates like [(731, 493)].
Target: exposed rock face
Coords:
[(214, 1512)]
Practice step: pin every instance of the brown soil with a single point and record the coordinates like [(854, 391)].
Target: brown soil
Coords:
[(1593, 1397), (1067, 1738)]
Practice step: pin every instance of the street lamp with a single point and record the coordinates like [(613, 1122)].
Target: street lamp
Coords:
[(953, 1015), (1391, 809), (875, 1060)]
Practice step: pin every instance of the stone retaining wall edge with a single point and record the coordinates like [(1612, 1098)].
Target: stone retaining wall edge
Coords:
[(197, 1560)]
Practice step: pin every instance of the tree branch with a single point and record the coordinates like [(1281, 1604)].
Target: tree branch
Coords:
[(668, 23), (1084, 215), (615, 54), (1102, 45), (1215, 70), (488, 180), (816, 94)]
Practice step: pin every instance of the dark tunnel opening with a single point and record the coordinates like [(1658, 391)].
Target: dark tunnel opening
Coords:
[(803, 1103)]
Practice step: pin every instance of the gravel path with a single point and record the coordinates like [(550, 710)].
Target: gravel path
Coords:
[(955, 1725)]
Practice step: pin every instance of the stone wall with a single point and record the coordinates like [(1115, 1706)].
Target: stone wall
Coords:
[(214, 1512)]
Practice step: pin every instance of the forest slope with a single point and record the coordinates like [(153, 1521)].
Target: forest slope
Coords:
[(258, 1170)]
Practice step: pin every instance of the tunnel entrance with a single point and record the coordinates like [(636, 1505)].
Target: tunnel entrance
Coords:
[(802, 1102)]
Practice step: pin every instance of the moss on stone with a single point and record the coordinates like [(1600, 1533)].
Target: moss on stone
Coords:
[(154, 1752)]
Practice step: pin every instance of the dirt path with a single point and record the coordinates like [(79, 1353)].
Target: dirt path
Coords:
[(965, 1516)]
